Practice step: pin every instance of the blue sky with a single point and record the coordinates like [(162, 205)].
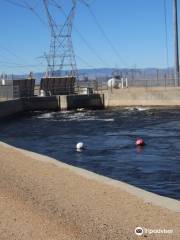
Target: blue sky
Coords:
[(136, 29)]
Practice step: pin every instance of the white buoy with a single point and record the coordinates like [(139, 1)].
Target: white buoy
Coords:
[(79, 146)]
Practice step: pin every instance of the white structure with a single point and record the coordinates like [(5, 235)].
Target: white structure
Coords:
[(122, 82), (113, 83), (126, 81), (87, 90), (42, 93), (3, 82), (3, 79), (117, 83)]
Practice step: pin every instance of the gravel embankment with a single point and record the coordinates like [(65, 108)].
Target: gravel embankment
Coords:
[(40, 200)]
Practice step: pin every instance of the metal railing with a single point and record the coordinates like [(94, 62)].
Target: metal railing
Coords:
[(124, 83), (10, 91), (101, 86), (148, 83)]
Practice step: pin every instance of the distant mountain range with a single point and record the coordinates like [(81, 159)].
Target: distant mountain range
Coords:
[(106, 73)]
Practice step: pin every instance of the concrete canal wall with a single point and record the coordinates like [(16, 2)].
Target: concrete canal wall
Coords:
[(115, 98), (41, 103), (94, 101), (64, 102), (143, 97), (11, 107), (51, 103)]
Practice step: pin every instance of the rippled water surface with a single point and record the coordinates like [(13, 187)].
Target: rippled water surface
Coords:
[(109, 136)]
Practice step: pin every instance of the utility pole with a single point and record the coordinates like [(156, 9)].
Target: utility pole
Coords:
[(176, 47)]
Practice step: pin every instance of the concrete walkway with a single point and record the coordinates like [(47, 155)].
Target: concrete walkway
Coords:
[(41, 198)]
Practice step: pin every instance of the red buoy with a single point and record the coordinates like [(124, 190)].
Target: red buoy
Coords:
[(139, 142)]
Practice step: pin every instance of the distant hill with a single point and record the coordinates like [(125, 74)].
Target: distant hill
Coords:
[(106, 73)]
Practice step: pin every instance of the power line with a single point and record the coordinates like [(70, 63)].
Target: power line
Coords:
[(29, 7), (15, 3), (116, 52), (81, 36), (26, 5), (11, 53), (59, 7), (91, 48), (85, 62), (34, 12), (18, 65)]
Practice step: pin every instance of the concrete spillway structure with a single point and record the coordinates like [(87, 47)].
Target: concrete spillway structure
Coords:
[(58, 85), (155, 97), (51, 103)]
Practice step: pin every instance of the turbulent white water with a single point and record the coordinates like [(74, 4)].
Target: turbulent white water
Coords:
[(76, 116)]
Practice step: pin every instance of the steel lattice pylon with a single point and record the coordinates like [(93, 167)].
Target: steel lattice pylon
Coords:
[(61, 53)]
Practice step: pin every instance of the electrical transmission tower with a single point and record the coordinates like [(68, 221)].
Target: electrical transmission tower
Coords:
[(61, 57)]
